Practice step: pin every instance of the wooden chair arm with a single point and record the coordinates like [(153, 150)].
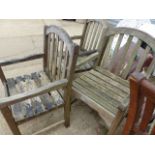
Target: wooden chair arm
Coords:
[(86, 53), (76, 37), (7, 101), (21, 59), (87, 59)]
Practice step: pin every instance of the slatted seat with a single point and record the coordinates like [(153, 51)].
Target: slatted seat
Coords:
[(31, 95), (37, 105), (105, 88)]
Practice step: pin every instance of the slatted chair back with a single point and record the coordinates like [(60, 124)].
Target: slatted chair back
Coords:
[(60, 53), (142, 106), (92, 35), (123, 51)]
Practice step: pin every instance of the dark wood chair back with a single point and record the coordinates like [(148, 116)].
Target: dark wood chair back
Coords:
[(142, 105)]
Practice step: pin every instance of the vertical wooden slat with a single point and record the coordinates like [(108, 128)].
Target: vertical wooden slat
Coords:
[(149, 108), (86, 35), (115, 52), (49, 54), (54, 64), (100, 37), (89, 35), (65, 63), (107, 51), (92, 39), (133, 56), (142, 59), (97, 36), (60, 59), (121, 63), (45, 49)]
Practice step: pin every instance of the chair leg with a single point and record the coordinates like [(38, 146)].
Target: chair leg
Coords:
[(116, 122), (10, 120), (67, 108)]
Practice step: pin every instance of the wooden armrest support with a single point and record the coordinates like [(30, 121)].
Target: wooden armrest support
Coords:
[(87, 59), (76, 37), (7, 101), (22, 59), (86, 53)]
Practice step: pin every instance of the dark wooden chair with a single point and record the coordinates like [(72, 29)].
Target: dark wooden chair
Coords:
[(90, 43), (40, 92), (141, 107), (105, 88)]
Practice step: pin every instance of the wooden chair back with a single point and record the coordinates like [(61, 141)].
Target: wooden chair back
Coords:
[(92, 35), (60, 53), (142, 105), (125, 46)]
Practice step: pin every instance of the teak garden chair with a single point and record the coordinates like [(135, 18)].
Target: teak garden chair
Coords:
[(105, 88), (90, 43), (41, 92), (141, 107)]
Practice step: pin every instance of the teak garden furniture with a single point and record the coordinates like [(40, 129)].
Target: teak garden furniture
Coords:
[(105, 88), (141, 107), (90, 43), (41, 92)]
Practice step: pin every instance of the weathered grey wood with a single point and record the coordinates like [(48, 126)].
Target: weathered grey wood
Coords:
[(10, 121), (142, 59), (91, 41), (23, 96), (18, 112), (121, 63), (107, 51), (76, 37), (120, 37), (133, 32), (133, 55), (82, 61), (45, 49), (60, 59), (104, 88), (2, 76)]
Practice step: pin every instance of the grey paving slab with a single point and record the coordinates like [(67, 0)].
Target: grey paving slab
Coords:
[(16, 46)]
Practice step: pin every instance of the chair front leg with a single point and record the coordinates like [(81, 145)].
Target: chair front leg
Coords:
[(10, 120), (116, 122), (67, 106)]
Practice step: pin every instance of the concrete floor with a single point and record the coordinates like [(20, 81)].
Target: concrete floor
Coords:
[(23, 37)]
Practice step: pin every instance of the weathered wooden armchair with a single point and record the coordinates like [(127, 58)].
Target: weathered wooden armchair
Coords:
[(141, 107), (41, 92), (90, 43), (106, 88)]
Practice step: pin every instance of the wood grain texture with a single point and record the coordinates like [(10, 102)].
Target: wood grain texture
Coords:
[(141, 107)]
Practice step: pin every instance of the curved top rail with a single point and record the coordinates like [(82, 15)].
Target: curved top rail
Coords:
[(150, 40), (63, 35)]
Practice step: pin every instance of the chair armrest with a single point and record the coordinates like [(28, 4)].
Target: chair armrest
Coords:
[(76, 37), (86, 53), (7, 101), (87, 59), (21, 59)]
